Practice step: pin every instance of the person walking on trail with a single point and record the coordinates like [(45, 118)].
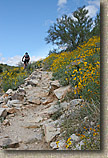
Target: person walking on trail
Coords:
[(26, 59)]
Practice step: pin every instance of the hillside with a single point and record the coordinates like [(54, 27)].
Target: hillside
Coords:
[(55, 107)]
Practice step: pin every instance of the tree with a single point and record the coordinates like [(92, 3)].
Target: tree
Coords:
[(70, 31), (96, 29), (52, 51)]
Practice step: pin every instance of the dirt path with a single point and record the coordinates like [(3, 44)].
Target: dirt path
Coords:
[(23, 130)]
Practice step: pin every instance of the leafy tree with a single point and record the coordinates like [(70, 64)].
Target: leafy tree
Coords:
[(96, 29), (52, 51), (70, 31)]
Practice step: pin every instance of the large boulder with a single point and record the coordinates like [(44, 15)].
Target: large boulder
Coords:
[(62, 91)]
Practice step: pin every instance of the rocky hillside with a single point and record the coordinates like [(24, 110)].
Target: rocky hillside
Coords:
[(39, 116)]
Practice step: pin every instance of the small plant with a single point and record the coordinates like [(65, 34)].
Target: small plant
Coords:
[(79, 122), (56, 115)]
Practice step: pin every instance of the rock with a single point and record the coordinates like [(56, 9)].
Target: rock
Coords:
[(49, 110), (74, 137), (18, 96), (9, 91), (62, 116), (53, 85), (21, 90), (11, 102), (33, 139), (61, 92), (54, 108), (11, 110), (11, 115), (38, 135), (60, 145), (1, 99), (28, 87), (4, 106), (53, 145), (3, 112), (51, 131), (33, 77), (86, 118), (92, 123), (79, 145), (8, 143), (32, 82), (6, 122), (14, 103), (34, 100), (4, 98), (75, 102), (4, 136), (36, 120), (49, 100), (45, 122), (64, 105)]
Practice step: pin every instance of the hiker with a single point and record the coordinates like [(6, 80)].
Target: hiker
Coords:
[(26, 58)]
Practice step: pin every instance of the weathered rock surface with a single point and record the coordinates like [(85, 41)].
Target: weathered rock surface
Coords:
[(34, 100), (32, 82), (9, 91), (51, 131), (8, 143), (6, 122), (3, 112), (61, 92), (18, 96)]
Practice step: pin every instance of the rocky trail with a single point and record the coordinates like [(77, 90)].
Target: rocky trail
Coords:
[(25, 114)]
